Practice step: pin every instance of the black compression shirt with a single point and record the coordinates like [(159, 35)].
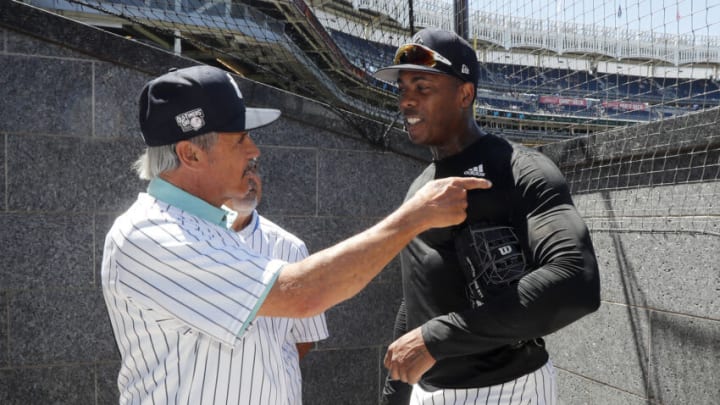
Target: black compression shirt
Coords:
[(499, 340)]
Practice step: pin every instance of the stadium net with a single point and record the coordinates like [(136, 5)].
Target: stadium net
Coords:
[(551, 70)]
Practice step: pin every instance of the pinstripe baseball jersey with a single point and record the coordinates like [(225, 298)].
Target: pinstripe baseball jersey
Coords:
[(268, 239), (536, 388), (182, 292)]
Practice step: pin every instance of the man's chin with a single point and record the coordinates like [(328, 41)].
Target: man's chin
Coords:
[(245, 206), (415, 136)]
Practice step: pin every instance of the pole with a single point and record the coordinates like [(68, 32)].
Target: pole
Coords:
[(462, 15), (412, 18)]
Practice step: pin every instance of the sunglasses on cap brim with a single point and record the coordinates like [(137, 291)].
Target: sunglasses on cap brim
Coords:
[(416, 54)]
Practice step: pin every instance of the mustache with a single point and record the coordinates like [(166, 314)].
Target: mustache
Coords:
[(409, 111)]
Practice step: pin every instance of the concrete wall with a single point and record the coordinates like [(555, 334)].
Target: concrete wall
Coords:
[(67, 137), (650, 197)]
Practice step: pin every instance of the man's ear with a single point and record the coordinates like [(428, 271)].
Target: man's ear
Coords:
[(467, 91), (189, 154)]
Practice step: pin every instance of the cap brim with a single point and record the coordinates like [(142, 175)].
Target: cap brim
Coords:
[(259, 117), (390, 73)]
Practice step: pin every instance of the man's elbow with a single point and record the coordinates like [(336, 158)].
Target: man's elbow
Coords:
[(591, 287), (581, 285), (590, 303), (594, 302)]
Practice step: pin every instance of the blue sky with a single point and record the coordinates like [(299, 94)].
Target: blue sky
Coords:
[(694, 17)]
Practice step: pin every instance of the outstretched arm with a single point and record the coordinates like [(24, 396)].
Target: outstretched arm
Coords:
[(337, 273)]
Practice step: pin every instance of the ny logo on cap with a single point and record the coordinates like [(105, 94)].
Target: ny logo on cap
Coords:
[(191, 120)]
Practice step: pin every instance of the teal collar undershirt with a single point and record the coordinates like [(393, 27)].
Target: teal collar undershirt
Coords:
[(169, 193)]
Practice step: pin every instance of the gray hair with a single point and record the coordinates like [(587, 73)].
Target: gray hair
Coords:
[(158, 159)]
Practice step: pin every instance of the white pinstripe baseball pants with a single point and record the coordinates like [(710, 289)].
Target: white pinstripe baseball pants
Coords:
[(536, 388)]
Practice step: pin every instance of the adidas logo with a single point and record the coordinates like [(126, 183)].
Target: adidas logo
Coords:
[(476, 171)]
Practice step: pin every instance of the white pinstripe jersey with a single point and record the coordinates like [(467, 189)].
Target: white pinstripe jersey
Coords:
[(536, 388), (268, 239), (181, 291)]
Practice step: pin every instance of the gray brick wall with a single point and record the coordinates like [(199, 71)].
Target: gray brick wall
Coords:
[(649, 195)]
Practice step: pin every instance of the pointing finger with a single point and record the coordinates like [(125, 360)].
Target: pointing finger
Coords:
[(473, 183)]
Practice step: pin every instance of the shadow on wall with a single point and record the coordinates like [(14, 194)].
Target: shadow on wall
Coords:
[(632, 291)]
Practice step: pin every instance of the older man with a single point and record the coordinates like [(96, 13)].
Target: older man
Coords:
[(183, 290)]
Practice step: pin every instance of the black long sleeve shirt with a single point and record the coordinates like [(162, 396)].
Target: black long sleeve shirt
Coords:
[(500, 340)]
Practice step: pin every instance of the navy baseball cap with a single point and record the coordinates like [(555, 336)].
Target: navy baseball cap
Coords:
[(437, 51), (185, 103)]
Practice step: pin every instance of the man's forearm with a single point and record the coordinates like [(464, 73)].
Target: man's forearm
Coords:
[(563, 289), (337, 273)]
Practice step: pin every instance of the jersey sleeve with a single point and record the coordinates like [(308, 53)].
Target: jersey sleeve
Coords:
[(562, 287), (208, 286), (312, 329)]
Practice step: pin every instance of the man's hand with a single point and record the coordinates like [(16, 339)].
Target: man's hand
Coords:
[(408, 358), (442, 202)]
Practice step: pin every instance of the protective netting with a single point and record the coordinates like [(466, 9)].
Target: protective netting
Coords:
[(660, 177), (551, 70)]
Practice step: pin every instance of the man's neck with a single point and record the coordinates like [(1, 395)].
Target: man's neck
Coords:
[(458, 143), (192, 183), (241, 221)]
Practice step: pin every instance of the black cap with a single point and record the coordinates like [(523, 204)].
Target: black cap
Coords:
[(185, 103), (452, 47)]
